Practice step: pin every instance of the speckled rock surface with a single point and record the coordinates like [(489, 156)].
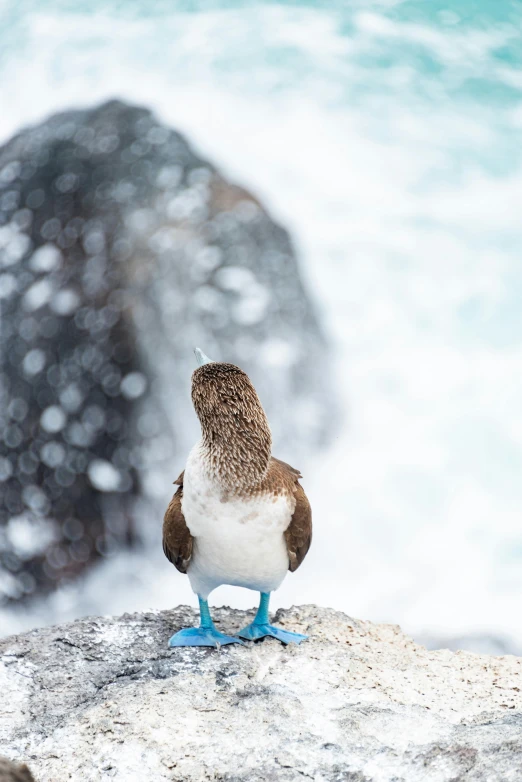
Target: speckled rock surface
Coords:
[(104, 698)]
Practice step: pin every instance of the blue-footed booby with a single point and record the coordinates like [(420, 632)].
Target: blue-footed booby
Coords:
[(239, 515)]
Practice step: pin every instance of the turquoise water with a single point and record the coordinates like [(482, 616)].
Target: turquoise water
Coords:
[(387, 136)]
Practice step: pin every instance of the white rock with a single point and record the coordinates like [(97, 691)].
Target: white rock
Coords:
[(358, 702)]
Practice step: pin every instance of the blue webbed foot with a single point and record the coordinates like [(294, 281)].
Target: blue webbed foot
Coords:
[(202, 636), (254, 631)]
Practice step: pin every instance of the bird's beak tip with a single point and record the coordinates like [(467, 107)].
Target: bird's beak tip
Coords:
[(201, 358)]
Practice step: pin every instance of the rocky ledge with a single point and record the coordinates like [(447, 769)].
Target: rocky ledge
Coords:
[(104, 698)]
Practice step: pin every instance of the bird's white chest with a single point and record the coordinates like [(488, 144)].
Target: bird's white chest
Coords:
[(237, 541)]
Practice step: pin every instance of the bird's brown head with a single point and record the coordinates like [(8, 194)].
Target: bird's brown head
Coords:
[(235, 430)]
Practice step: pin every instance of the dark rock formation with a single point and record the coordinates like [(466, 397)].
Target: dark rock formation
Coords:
[(106, 698), (12, 772), (120, 249)]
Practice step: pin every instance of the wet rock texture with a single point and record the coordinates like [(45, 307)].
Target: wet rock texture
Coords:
[(120, 249), (106, 699)]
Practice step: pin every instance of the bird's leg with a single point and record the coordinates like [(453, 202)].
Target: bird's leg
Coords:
[(204, 635), (261, 626)]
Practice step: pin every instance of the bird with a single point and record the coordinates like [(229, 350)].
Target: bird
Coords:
[(239, 515)]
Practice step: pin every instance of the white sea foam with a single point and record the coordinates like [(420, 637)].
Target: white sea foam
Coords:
[(401, 186), (103, 475)]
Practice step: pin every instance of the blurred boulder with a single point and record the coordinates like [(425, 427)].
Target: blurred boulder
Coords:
[(12, 772), (120, 249)]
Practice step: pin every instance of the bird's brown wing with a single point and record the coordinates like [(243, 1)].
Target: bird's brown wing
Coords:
[(287, 468), (177, 540), (298, 535)]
